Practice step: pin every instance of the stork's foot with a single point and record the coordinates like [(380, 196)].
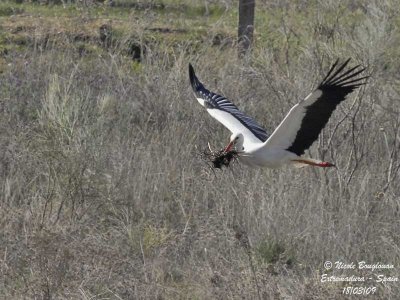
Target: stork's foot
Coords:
[(325, 164)]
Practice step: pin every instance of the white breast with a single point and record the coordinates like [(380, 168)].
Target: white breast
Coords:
[(266, 157)]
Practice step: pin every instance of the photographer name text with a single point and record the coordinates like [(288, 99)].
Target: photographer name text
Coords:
[(362, 265)]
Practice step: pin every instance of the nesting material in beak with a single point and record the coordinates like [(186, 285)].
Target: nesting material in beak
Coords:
[(220, 158), (229, 147)]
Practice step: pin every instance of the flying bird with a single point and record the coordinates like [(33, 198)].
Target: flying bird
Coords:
[(298, 130)]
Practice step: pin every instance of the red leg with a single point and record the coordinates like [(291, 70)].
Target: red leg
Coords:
[(313, 163)]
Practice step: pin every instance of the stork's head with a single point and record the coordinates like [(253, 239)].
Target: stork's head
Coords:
[(236, 141)]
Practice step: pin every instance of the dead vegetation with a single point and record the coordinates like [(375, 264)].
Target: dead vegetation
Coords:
[(102, 196), (218, 158)]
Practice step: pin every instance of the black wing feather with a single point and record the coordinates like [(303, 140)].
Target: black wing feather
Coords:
[(334, 89), (215, 101)]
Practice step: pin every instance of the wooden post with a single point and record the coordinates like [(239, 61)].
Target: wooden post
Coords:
[(246, 26)]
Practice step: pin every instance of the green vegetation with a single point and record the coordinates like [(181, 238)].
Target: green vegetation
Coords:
[(103, 194), (271, 252)]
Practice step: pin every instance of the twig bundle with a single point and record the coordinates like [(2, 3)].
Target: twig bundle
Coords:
[(218, 158)]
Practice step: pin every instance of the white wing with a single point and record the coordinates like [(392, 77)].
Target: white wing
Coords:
[(224, 111), (285, 134), (304, 122)]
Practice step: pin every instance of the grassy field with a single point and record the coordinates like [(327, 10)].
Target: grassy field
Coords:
[(104, 194)]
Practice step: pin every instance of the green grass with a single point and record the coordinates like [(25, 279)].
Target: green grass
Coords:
[(170, 25), (270, 251), (176, 23)]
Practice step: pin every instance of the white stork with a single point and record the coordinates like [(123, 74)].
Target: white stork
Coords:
[(298, 130)]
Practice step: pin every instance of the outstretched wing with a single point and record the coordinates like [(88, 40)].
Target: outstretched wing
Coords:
[(304, 122), (227, 113)]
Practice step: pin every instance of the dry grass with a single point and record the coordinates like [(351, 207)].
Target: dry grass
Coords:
[(102, 196)]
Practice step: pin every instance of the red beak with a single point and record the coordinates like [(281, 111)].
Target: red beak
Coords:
[(229, 147)]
